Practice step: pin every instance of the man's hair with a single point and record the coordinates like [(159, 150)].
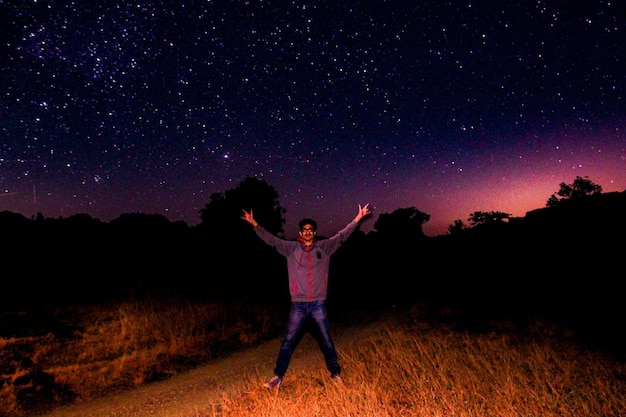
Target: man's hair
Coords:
[(304, 222)]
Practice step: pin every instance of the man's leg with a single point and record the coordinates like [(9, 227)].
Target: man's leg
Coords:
[(322, 336), (297, 315)]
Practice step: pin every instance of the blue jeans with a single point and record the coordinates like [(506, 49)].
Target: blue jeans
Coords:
[(299, 312)]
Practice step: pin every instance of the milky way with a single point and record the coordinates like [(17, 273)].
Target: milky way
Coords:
[(448, 107)]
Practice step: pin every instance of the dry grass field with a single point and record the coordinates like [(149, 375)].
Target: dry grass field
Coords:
[(420, 363), (407, 372)]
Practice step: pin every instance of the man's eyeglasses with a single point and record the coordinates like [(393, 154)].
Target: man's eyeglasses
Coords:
[(307, 230)]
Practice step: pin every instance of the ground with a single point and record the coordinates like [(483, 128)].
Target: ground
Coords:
[(183, 395)]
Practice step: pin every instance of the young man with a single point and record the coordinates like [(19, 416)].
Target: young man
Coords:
[(308, 261)]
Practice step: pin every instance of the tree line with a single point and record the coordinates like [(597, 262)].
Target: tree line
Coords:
[(560, 256)]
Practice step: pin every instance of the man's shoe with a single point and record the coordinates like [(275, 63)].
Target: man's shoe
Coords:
[(274, 382), (337, 379)]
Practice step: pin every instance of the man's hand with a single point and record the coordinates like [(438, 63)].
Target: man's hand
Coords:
[(249, 217), (363, 211)]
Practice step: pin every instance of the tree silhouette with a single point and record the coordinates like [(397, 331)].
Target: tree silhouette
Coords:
[(406, 222), (580, 188), (487, 217), (456, 227), (223, 213), (225, 235)]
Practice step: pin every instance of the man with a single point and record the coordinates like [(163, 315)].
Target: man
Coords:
[(308, 261)]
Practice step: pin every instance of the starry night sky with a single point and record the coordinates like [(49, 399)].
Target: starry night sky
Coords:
[(449, 107)]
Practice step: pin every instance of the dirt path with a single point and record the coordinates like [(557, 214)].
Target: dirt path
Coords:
[(186, 394)]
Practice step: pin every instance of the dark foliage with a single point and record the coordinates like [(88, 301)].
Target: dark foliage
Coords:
[(557, 261)]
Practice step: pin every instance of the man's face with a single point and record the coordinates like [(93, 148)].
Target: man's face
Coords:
[(307, 233)]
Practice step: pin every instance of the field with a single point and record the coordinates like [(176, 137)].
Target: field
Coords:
[(421, 361)]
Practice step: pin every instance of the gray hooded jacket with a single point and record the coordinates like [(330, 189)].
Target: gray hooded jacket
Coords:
[(307, 266)]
